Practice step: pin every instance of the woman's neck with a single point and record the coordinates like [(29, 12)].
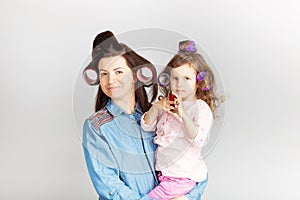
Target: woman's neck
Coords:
[(128, 106)]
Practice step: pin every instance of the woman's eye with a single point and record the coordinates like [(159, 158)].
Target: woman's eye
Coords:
[(119, 72), (103, 73), (175, 78)]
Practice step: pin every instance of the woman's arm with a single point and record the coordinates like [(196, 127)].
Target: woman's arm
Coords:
[(103, 169), (107, 182), (198, 191), (195, 193)]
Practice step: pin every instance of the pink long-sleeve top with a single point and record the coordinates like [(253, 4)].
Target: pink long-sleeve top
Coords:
[(176, 154)]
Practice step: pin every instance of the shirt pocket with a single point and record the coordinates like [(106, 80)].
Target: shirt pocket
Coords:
[(127, 126)]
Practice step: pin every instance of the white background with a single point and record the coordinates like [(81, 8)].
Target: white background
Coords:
[(255, 45)]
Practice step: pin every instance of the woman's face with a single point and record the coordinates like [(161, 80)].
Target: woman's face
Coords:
[(116, 79), (183, 82)]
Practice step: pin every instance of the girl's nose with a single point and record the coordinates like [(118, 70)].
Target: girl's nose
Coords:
[(179, 82)]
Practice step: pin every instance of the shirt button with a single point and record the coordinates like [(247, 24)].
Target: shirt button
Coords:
[(110, 193), (140, 136), (134, 122)]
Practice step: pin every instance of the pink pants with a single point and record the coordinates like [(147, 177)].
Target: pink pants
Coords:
[(171, 187)]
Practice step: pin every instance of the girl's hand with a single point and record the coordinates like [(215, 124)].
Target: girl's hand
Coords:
[(178, 105), (164, 104)]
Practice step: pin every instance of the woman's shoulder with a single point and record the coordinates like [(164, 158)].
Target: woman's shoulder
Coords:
[(99, 118)]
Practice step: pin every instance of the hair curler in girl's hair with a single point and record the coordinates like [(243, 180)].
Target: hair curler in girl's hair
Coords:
[(163, 79), (201, 76), (187, 46)]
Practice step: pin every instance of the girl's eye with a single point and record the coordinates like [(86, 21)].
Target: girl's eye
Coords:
[(175, 78), (187, 78)]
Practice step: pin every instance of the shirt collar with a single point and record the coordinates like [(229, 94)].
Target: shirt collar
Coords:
[(115, 110), (138, 108)]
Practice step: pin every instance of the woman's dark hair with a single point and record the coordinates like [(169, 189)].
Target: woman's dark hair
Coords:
[(105, 45)]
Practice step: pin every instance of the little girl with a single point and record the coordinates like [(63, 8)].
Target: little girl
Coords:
[(183, 124)]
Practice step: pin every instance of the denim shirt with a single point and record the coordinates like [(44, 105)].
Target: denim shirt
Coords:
[(120, 156)]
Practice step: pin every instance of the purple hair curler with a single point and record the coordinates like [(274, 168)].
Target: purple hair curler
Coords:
[(205, 88), (200, 76), (187, 46), (163, 79)]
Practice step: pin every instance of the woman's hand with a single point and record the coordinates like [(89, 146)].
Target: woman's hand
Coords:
[(180, 198)]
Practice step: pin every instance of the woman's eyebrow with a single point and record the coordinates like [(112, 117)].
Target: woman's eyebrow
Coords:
[(118, 68), (104, 70)]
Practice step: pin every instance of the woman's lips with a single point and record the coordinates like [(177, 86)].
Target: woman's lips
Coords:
[(112, 87)]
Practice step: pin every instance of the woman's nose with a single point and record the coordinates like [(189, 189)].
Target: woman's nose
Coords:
[(111, 78)]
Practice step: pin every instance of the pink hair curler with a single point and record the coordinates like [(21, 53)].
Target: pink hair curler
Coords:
[(145, 75), (90, 75)]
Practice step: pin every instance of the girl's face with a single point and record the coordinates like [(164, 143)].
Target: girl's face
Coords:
[(116, 79), (183, 82)]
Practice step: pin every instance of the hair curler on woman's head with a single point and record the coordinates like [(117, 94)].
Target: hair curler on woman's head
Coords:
[(106, 45)]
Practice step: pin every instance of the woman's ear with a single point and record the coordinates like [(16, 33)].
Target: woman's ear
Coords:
[(134, 77)]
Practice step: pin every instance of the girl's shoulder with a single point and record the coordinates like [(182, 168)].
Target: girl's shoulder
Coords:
[(200, 106), (197, 103), (201, 102)]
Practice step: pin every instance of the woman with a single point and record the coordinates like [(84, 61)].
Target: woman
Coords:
[(119, 154)]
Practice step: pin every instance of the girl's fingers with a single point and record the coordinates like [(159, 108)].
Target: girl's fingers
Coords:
[(178, 96), (176, 102), (170, 112), (168, 105)]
